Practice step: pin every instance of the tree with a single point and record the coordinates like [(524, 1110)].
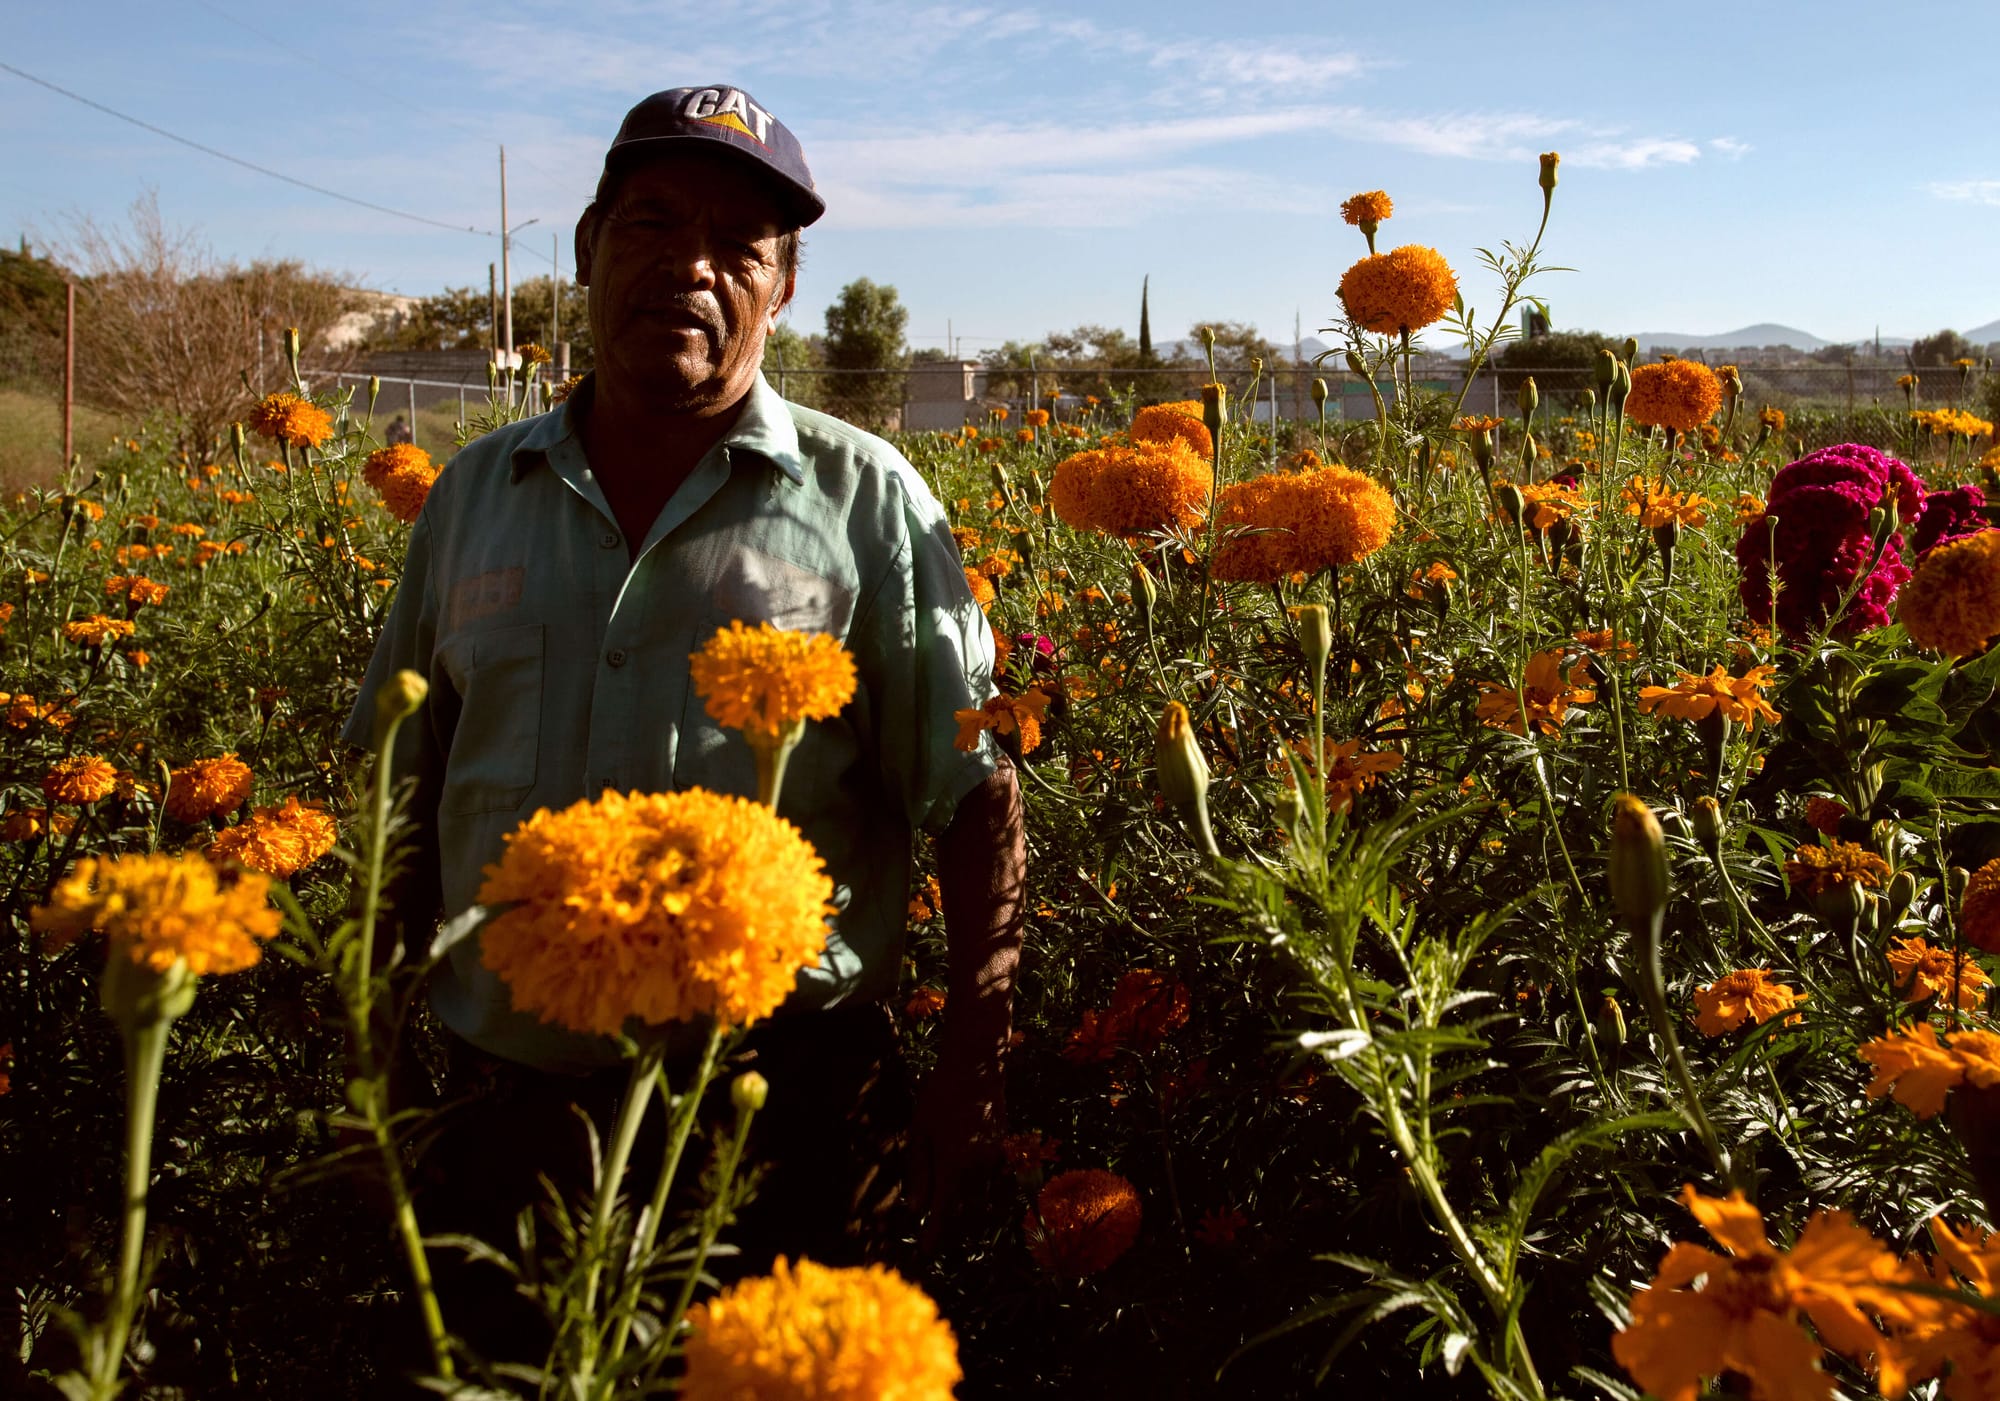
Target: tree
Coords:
[(1940, 349), (31, 318), (864, 332), (1562, 362), (461, 318), (1145, 323), (789, 359)]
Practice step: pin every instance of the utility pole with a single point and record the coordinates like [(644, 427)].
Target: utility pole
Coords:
[(506, 279), (493, 310), (69, 379), (555, 291)]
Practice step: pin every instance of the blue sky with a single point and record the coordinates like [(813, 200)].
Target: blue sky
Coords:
[(1013, 170)]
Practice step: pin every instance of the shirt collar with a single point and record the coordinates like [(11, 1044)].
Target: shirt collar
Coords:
[(764, 427)]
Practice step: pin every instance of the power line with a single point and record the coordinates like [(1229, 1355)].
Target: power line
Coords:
[(238, 160)]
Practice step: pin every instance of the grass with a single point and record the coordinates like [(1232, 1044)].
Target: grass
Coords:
[(31, 436)]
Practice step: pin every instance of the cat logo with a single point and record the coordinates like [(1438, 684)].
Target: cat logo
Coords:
[(726, 107)]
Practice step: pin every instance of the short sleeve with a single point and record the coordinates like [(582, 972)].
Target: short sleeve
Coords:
[(925, 649)]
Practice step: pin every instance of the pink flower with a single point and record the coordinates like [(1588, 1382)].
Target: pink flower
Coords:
[(1822, 507), (1947, 516)]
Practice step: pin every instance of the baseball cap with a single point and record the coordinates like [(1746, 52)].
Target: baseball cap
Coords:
[(730, 118)]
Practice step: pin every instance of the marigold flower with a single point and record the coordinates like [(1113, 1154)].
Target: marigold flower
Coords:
[(158, 909), (532, 355), (1916, 1066), (79, 780), (1952, 423), (1369, 208), (207, 788), (766, 681), (1605, 643), (1747, 995), (1004, 715), (135, 589), (983, 592), (1082, 1221), (1738, 698), (1405, 289), (1029, 1153), (1927, 972), (1656, 506), (1475, 423), (1951, 604), (279, 841), (560, 391), (1551, 503), (1679, 394), (1773, 420), (1958, 1331), (402, 475), (1813, 870), (287, 418), (1219, 1227), (1146, 1006), (1038, 418), (1746, 1316), (924, 1003), (1094, 1040), (807, 1332), (1301, 523), (95, 629), (655, 906), (1166, 423), (26, 824), (1128, 491), (1823, 814), (1544, 694), (1348, 770), (1979, 908)]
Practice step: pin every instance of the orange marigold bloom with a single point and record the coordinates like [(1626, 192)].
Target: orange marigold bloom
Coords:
[(1604, 642), (1005, 715), (1655, 506), (1549, 504), (1476, 423), (403, 476), (1960, 1330), (1773, 419), (1680, 394), (1166, 423), (1134, 490), (79, 780), (1979, 909), (560, 391), (983, 592), (95, 629), (1288, 523), (207, 788), (1544, 694), (1926, 972), (1405, 289), (287, 418), (1369, 208), (1737, 698), (26, 824), (1082, 1221), (924, 1003), (1746, 1315), (1952, 603), (1823, 814), (135, 588), (1916, 1066), (1813, 870), (1349, 771), (767, 682), (658, 907), (279, 841), (160, 909), (1146, 1007), (1747, 995)]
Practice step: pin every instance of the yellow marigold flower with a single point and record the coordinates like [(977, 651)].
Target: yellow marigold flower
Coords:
[(1135, 490), (96, 629), (983, 592), (26, 824), (1813, 870), (1349, 771), (1437, 574), (1926, 972), (1475, 423), (1605, 642), (1082, 1221), (207, 788), (1947, 423), (1747, 995), (1004, 715), (402, 475), (135, 588), (560, 391), (1952, 603), (1369, 208), (1402, 290), (809, 1333), (157, 909), (1166, 423), (1747, 1316), (659, 907), (1545, 695), (1549, 504), (278, 841), (1979, 908), (1917, 1067), (1038, 418), (1738, 698), (287, 418), (1749, 507), (532, 355), (1772, 419), (766, 681), (78, 780), (1655, 506), (1679, 394), (1301, 523)]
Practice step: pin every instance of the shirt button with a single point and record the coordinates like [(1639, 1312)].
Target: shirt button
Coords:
[(616, 656), (609, 540)]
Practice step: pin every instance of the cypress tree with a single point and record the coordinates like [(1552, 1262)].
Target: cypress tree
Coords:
[(1145, 323)]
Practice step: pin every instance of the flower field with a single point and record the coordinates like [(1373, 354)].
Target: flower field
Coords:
[(1512, 908)]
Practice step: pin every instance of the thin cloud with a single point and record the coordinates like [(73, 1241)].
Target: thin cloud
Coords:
[(1729, 146), (1967, 191)]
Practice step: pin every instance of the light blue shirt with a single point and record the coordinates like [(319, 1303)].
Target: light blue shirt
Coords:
[(558, 667)]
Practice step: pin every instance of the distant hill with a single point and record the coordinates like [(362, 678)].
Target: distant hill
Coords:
[(1984, 335), (1763, 333)]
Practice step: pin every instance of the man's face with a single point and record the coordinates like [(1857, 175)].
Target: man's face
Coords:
[(682, 268)]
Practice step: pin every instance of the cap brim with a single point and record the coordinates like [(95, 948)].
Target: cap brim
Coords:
[(800, 202)]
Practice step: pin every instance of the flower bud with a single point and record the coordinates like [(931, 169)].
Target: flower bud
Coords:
[(1629, 351), (1214, 406), (1356, 364), (1207, 334), (237, 438), (1183, 772), (1315, 634), (1956, 879), (1901, 892), (1144, 589), (998, 476), (1710, 826), (1611, 1018), (136, 996), (1638, 862), (1550, 160), (1529, 397), (1482, 448), (748, 1092), (1512, 501), (292, 349), (1256, 364), (1319, 394), (1732, 380), (1605, 370), (1590, 401)]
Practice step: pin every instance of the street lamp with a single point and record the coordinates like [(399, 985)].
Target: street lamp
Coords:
[(507, 294)]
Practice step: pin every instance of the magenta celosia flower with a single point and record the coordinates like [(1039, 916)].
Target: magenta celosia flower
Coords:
[(1818, 524), (1947, 516)]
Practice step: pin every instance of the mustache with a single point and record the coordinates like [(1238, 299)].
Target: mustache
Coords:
[(690, 306)]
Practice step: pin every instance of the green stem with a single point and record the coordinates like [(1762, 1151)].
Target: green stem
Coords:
[(145, 1058), (631, 1111), (711, 1223), (1663, 1027)]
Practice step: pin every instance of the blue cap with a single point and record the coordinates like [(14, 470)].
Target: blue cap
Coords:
[(731, 119)]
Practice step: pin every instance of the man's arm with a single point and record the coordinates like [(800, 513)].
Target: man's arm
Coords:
[(961, 1110)]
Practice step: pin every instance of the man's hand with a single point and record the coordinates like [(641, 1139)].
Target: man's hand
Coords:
[(961, 1113)]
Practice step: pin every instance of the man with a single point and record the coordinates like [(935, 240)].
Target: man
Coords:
[(565, 567)]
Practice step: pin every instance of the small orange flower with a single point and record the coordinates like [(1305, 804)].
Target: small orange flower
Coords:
[(1367, 210), (1926, 972), (1738, 698), (1004, 715), (1916, 1066), (1823, 814), (924, 1003), (1082, 1221), (1747, 995), (1813, 870), (207, 788), (1145, 1007), (1544, 695), (79, 780)]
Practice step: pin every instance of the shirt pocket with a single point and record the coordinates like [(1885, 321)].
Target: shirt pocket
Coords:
[(498, 674)]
